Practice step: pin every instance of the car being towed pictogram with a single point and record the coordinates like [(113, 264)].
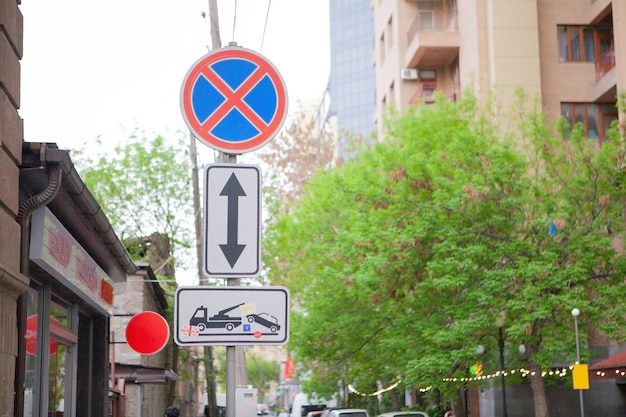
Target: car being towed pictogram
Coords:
[(265, 320)]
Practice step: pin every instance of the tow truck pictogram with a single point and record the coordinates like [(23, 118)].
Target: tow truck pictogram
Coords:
[(219, 320)]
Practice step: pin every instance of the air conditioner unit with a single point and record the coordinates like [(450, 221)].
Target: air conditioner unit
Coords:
[(408, 74)]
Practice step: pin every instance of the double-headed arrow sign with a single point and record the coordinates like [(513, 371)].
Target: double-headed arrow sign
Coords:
[(232, 221)]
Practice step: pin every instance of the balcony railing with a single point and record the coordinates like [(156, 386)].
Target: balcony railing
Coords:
[(425, 92), (605, 63), (433, 21)]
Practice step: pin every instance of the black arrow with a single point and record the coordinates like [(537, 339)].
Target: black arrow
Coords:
[(232, 250)]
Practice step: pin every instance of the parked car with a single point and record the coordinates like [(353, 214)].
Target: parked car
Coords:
[(346, 412), (264, 319), (317, 413), (404, 414)]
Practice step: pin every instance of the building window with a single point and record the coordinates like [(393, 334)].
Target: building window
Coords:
[(582, 43), (426, 16), (595, 119), (50, 383), (389, 33)]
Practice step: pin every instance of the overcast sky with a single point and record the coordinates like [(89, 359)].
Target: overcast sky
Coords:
[(104, 68)]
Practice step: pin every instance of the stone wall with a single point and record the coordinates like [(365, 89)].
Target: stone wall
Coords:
[(12, 283)]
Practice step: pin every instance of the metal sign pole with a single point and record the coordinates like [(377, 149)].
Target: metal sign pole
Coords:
[(231, 351), (213, 107)]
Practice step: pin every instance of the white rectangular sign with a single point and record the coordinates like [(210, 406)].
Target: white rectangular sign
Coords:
[(231, 316), (232, 221)]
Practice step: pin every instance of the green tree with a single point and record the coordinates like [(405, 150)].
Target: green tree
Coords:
[(261, 372), (145, 184), (405, 257)]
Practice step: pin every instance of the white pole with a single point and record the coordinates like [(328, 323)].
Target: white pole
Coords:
[(575, 314)]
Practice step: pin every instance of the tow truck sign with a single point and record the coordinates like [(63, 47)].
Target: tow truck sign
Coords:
[(230, 316)]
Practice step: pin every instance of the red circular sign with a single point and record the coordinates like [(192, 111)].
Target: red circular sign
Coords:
[(31, 336), (147, 332), (234, 100)]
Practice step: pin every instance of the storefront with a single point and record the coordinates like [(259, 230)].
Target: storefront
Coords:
[(73, 259)]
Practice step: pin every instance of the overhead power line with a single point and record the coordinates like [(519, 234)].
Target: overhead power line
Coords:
[(269, 3), (234, 20)]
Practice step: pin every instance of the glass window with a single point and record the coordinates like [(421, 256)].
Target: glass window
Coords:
[(590, 53), (31, 352), (575, 43), (578, 43), (50, 380), (591, 116), (579, 114), (563, 44), (426, 20), (593, 122)]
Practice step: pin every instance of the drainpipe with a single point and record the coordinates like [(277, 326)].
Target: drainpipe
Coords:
[(33, 203)]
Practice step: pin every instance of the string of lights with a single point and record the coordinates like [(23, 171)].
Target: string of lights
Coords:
[(561, 373), (380, 391), (618, 373)]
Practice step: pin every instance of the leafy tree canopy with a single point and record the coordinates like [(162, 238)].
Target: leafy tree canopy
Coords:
[(144, 186), (403, 258)]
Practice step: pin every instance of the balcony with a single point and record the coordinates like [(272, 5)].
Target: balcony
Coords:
[(605, 63), (425, 92), (433, 38)]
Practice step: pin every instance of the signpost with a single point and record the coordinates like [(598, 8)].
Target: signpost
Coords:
[(232, 221), (231, 316), (234, 100)]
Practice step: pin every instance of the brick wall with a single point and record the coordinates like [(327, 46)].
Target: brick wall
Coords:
[(11, 131), (12, 283)]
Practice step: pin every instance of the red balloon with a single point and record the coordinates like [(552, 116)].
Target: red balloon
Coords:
[(31, 336), (147, 332)]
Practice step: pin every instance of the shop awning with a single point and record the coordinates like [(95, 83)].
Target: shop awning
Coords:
[(612, 367)]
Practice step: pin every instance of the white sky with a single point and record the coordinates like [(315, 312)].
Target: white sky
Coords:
[(104, 68)]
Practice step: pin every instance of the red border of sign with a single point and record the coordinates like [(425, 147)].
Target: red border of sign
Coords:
[(205, 136)]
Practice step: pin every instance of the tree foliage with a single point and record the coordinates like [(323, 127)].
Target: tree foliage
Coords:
[(145, 188), (403, 258), (260, 371), (293, 158)]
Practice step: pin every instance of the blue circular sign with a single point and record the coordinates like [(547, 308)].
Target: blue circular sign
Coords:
[(234, 100)]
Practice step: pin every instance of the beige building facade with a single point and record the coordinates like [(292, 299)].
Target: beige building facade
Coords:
[(571, 53)]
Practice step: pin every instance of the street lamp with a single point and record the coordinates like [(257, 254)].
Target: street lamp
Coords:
[(575, 314), (481, 349), (500, 325)]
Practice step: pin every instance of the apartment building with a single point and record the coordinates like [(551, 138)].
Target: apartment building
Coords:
[(569, 53), (572, 53)]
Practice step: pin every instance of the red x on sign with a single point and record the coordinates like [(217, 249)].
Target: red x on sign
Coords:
[(234, 100)]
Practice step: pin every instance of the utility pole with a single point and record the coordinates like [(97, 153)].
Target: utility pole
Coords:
[(211, 388), (208, 350), (238, 352), (233, 354), (216, 42)]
